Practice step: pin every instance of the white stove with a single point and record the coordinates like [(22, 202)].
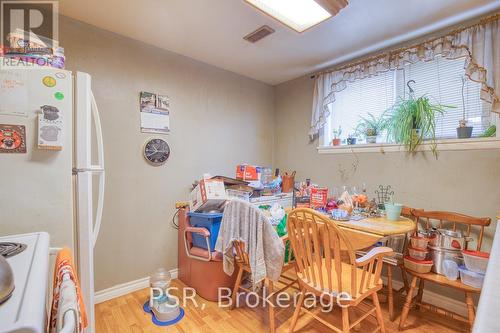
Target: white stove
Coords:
[(25, 310)]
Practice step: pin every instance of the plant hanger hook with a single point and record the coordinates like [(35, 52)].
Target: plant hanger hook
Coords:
[(410, 89)]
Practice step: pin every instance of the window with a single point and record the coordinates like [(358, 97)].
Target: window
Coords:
[(372, 95), (440, 80)]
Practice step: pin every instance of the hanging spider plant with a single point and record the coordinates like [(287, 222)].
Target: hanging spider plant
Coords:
[(413, 120)]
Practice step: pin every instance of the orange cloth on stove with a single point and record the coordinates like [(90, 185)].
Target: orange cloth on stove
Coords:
[(64, 264)]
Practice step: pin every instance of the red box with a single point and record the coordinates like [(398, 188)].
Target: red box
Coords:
[(248, 172), (319, 197)]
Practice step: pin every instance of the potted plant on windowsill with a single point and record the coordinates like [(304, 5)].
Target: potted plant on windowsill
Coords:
[(370, 127), (336, 136), (413, 120), (464, 131), (351, 139)]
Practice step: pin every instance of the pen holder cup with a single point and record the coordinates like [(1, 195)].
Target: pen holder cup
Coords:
[(288, 183)]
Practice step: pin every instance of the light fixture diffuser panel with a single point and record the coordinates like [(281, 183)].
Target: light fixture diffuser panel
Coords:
[(299, 15)]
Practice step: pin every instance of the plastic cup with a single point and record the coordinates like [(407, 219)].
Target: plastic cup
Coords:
[(393, 211)]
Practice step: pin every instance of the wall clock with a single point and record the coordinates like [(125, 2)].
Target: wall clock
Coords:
[(156, 151)]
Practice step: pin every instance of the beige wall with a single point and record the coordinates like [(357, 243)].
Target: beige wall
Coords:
[(218, 119), (462, 181)]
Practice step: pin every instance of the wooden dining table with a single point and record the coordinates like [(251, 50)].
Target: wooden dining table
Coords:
[(369, 230), (365, 232)]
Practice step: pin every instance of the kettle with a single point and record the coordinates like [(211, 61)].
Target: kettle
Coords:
[(6, 280)]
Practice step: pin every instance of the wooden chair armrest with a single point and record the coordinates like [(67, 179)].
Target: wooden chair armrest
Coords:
[(376, 252)]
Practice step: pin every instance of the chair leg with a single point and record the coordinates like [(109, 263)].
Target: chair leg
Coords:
[(470, 308), (406, 307), (272, 327), (405, 279), (237, 284), (345, 320), (420, 293), (297, 310), (390, 292), (378, 312)]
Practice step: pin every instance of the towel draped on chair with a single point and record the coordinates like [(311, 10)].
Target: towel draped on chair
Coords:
[(244, 222)]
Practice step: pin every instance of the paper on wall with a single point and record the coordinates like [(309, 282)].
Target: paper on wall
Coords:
[(14, 92), (155, 121)]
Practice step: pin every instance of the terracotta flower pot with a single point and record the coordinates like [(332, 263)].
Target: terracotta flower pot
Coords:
[(336, 142)]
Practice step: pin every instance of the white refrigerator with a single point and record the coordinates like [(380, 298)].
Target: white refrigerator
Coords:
[(57, 184)]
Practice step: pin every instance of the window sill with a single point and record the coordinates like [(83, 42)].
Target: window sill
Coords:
[(442, 145)]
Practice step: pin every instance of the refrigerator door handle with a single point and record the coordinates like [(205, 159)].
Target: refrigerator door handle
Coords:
[(92, 169), (99, 168)]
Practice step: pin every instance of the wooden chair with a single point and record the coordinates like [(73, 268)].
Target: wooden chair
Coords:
[(395, 261), (242, 260), (456, 221), (319, 246)]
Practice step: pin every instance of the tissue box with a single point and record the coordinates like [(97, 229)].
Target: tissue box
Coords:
[(208, 195)]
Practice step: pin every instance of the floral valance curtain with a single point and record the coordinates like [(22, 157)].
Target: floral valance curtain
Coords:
[(478, 44)]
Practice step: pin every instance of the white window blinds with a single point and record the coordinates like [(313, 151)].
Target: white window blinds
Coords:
[(371, 95)]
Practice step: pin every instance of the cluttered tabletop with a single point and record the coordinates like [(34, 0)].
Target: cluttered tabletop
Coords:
[(365, 220)]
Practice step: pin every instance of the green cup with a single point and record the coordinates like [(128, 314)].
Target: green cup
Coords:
[(393, 211)]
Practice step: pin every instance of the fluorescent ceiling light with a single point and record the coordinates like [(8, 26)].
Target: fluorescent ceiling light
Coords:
[(299, 15)]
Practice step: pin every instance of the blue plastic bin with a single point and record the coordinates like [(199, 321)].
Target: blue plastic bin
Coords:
[(209, 221)]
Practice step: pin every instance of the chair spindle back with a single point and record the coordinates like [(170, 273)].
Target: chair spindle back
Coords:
[(457, 221)]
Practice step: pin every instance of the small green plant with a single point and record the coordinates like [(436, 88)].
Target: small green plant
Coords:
[(337, 133), (371, 125), (489, 132), (413, 120)]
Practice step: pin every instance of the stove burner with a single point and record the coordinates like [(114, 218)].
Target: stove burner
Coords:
[(8, 249)]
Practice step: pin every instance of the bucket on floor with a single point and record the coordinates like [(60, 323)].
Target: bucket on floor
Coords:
[(209, 221)]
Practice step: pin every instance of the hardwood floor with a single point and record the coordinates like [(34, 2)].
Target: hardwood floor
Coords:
[(125, 314)]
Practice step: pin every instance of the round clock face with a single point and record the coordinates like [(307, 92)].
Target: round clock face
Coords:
[(156, 151)]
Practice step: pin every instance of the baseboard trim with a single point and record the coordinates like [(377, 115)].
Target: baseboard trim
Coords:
[(126, 288), (436, 299)]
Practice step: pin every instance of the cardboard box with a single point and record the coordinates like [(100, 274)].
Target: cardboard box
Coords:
[(319, 197), (248, 172), (208, 195)]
